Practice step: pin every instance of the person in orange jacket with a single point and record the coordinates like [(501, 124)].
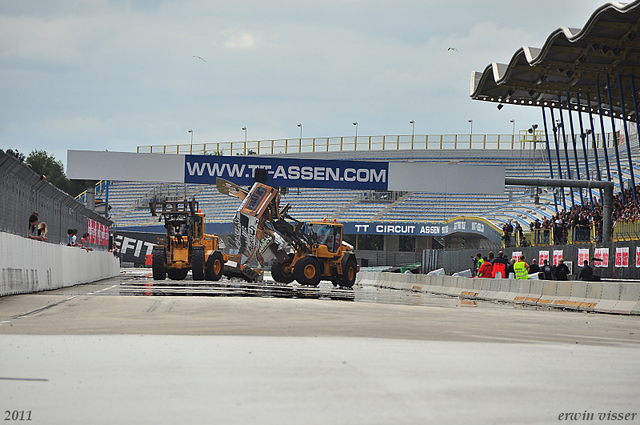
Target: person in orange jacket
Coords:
[(486, 269)]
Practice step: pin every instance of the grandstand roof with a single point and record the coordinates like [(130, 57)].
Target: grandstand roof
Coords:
[(572, 61)]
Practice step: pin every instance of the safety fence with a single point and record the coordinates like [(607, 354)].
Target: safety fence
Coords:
[(22, 191), (622, 231), (523, 141)]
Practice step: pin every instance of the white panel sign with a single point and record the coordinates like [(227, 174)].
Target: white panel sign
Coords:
[(446, 178), (125, 166)]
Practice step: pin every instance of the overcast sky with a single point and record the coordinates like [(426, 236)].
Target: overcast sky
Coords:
[(114, 75)]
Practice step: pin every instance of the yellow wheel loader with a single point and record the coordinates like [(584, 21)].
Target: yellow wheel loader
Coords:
[(185, 246)]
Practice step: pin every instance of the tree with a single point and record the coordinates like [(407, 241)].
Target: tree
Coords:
[(43, 163), (16, 154)]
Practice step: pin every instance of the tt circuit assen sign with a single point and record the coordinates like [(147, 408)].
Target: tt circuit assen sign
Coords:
[(461, 225)]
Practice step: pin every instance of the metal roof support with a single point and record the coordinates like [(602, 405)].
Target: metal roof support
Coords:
[(583, 136), (575, 148), (556, 130), (635, 103), (604, 135), (607, 205), (594, 144), (615, 139), (546, 136), (566, 148), (626, 136)]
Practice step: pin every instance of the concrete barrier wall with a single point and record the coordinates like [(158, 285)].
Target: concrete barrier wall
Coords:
[(28, 266), (602, 297)]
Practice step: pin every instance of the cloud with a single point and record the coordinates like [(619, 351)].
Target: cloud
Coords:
[(243, 40)]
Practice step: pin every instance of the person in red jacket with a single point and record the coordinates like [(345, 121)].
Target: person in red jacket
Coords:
[(500, 265), (486, 269)]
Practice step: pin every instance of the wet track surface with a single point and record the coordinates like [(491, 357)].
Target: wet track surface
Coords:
[(138, 282)]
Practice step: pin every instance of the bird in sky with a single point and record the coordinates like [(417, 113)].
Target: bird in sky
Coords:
[(452, 48), (198, 57)]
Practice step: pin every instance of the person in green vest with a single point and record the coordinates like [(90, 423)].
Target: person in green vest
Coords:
[(477, 263), (521, 268)]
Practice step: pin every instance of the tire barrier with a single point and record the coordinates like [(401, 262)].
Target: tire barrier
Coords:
[(601, 296), (27, 265)]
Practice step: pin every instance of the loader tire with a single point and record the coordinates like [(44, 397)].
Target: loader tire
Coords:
[(282, 272), (308, 271), (197, 263), (349, 273), (215, 266), (157, 263)]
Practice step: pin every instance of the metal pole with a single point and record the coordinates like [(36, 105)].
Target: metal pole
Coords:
[(575, 149), (583, 137), (604, 135), (566, 148), (615, 138), (546, 135), (626, 135), (555, 137), (595, 147)]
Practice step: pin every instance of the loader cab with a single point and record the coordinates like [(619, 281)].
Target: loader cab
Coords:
[(198, 225), (327, 233)]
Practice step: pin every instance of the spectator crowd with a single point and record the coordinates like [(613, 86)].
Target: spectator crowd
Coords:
[(583, 218)]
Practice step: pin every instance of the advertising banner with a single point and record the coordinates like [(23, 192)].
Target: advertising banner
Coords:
[(98, 233), (557, 255), (622, 256), (638, 256), (285, 172), (135, 246), (583, 255), (542, 256), (603, 255)]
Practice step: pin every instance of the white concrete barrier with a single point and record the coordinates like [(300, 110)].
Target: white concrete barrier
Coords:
[(629, 298), (28, 265), (549, 291), (609, 297)]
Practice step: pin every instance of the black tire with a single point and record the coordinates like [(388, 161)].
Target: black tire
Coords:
[(279, 274), (157, 263), (177, 274), (215, 266), (308, 271), (349, 273), (197, 263)]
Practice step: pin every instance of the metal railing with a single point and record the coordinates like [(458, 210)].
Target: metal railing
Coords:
[(626, 231), (523, 140)]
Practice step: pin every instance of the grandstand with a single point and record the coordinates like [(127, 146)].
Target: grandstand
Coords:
[(129, 200)]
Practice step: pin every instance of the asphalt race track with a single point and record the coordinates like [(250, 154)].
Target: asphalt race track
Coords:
[(132, 350)]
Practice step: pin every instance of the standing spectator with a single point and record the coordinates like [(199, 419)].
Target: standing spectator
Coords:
[(547, 270), (521, 268), (510, 272), (586, 274), (500, 266), (534, 268), (486, 270), (562, 271), (33, 226), (478, 262)]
